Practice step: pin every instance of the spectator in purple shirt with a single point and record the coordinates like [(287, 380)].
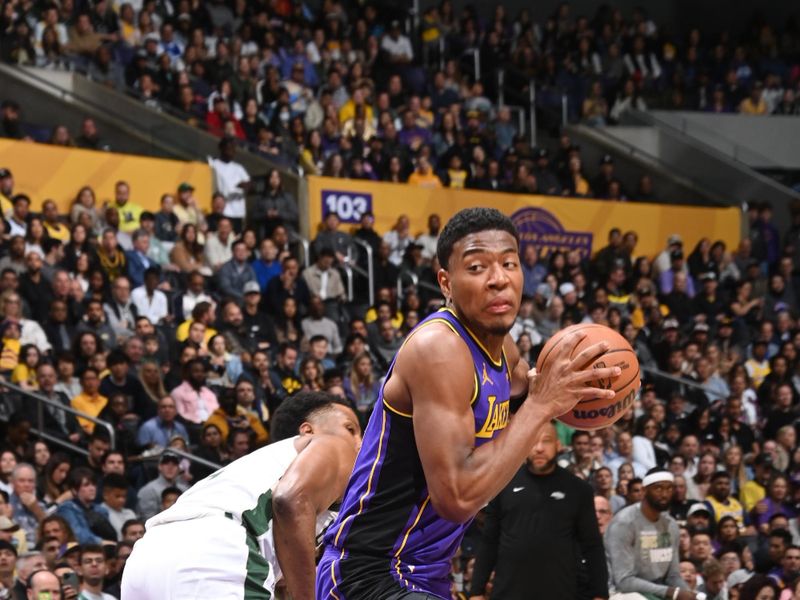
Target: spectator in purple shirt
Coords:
[(667, 278)]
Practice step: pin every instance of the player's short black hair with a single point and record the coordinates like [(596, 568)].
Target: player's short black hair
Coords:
[(296, 409), (471, 220)]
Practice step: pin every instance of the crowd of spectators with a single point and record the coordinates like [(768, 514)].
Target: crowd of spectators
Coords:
[(356, 91), (186, 329)]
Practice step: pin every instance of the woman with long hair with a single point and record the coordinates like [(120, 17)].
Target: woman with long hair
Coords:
[(700, 260), (361, 386), (224, 367), (35, 236), (79, 245), (53, 486), (732, 461), (311, 375), (85, 203), (80, 275), (276, 207), (24, 374), (334, 166), (187, 253), (41, 456), (287, 323), (152, 381), (312, 158), (50, 54)]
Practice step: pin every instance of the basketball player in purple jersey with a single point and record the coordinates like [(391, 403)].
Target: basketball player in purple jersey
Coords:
[(439, 444)]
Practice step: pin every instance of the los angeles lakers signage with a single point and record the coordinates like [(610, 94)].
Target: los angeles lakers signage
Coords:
[(541, 229), (549, 223)]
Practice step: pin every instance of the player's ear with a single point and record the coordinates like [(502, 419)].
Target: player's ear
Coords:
[(444, 282), (306, 428)]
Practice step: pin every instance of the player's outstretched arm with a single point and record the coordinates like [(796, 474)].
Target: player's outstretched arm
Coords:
[(314, 481), (437, 372)]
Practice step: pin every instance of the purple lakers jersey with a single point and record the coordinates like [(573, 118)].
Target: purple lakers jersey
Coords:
[(388, 535)]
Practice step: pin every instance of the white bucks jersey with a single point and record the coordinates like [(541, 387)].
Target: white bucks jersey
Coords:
[(242, 491)]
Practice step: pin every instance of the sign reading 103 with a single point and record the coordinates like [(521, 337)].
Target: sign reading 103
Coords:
[(349, 206)]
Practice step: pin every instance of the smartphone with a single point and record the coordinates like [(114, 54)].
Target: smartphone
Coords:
[(70, 579)]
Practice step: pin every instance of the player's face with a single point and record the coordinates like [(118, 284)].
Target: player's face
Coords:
[(484, 281), (340, 421), (659, 495)]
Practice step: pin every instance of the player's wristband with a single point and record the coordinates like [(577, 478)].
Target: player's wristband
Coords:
[(676, 592)]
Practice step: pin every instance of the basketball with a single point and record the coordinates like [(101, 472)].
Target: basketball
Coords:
[(599, 412)]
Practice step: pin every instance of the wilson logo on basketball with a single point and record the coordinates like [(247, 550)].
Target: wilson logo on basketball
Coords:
[(606, 411)]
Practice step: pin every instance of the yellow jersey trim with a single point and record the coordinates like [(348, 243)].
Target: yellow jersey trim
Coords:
[(408, 532), (403, 345), (369, 481), (496, 363)]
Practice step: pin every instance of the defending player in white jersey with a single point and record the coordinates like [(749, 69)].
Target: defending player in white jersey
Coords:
[(253, 524)]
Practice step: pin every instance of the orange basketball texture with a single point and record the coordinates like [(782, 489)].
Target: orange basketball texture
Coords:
[(599, 412)]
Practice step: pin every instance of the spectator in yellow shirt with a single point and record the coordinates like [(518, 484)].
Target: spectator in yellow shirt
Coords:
[(359, 98), (6, 191), (755, 490), (24, 374), (10, 332), (90, 400), (129, 212), (423, 175), (754, 104), (55, 229)]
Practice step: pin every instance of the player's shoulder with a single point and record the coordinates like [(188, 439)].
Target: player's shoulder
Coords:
[(627, 515), (435, 338)]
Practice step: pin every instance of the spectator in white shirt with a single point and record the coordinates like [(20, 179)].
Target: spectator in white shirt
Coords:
[(18, 219), (230, 179), (219, 245), (429, 240), (151, 302), (397, 46), (399, 238)]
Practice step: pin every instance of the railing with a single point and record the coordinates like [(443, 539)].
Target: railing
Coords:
[(306, 250), (370, 269), (475, 53), (400, 289), (656, 372), (40, 431), (348, 273)]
